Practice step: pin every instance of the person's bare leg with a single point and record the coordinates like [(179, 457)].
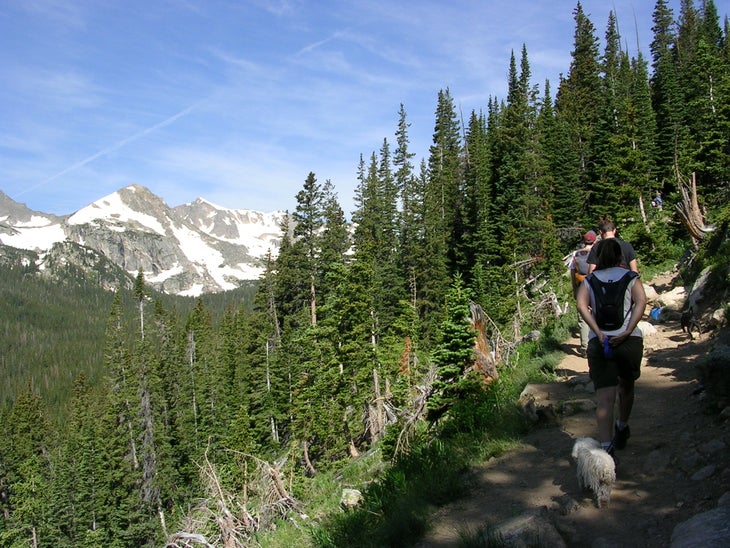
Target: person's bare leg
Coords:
[(625, 399), (605, 399)]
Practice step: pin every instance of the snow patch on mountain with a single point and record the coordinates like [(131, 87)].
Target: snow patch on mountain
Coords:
[(113, 210), (190, 249), (37, 235)]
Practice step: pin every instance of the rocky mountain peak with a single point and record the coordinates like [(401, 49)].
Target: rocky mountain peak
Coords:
[(189, 249)]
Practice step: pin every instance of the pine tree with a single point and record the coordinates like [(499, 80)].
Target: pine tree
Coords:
[(454, 352), (477, 196), (577, 106), (168, 376), (443, 209), (412, 195), (626, 137), (667, 100), (376, 241), (309, 220), (336, 240), (291, 290), (27, 473), (205, 395), (569, 197), (708, 107), (263, 384), (79, 467), (125, 515)]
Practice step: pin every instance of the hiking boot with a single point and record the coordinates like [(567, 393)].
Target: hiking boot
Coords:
[(621, 436)]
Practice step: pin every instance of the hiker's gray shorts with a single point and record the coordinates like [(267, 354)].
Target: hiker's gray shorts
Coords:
[(626, 362)]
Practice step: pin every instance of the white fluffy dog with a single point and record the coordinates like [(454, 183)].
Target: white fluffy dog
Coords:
[(596, 469)]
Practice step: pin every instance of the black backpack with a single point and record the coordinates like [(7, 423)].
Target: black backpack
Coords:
[(609, 297)]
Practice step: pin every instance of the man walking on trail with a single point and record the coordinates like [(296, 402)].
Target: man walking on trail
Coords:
[(607, 229), (612, 300), (578, 271)]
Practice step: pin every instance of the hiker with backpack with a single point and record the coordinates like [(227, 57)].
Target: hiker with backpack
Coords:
[(607, 229), (578, 271), (612, 300)]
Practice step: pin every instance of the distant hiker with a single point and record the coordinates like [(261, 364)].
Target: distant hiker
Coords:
[(657, 201), (608, 230), (578, 271), (615, 345)]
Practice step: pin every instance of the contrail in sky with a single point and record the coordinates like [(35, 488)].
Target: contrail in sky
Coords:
[(115, 146)]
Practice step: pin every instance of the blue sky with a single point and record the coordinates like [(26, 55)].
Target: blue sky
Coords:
[(237, 101)]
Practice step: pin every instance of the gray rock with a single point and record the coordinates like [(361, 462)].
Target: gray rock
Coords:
[(714, 374), (579, 380), (674, 299), (707, 530), (571, 407), (697, 292), (647, 330), (690, 461), (350, 499), (568, 505), (712, 447), (704, 473), (686, 438), (718, 318), (656, 462), (529, 529), (724, 500), (601, 542), (530, 389), (651, 293)]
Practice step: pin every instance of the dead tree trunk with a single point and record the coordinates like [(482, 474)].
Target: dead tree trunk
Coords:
[(378, 405), (643, 214), (308, 463), (689, 209)]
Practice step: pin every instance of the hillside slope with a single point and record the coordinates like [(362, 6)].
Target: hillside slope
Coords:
[(675, 466)]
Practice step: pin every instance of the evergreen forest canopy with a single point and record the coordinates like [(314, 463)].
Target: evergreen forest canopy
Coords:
[(351, 333)]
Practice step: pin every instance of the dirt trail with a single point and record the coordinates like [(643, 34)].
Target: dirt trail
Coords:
[(659, 475)]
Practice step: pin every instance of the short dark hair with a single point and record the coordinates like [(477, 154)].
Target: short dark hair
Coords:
[(608, 254), (606, 226)]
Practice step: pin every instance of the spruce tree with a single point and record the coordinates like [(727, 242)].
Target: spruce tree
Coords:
[(262, 383), (624, 143), (667, 100), (443, 209), (477, 199), (577, 107), (453, 353), (309, 220), (76, 486), (27, 473), (708, 105)]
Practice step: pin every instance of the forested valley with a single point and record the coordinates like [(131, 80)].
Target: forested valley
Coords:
[(139, 419)]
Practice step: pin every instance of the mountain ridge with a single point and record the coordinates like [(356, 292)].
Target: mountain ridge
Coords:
[(188, 250)]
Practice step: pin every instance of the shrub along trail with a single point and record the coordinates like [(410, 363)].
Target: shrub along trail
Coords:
[(675, 465)]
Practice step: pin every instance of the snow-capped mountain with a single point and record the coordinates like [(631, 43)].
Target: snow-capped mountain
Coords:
[(190, 249)]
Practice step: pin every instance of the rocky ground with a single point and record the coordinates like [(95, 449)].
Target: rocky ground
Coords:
[(676, 464)]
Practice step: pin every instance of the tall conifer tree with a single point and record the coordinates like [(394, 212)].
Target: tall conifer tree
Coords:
[(443, 203), (577, 104)]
